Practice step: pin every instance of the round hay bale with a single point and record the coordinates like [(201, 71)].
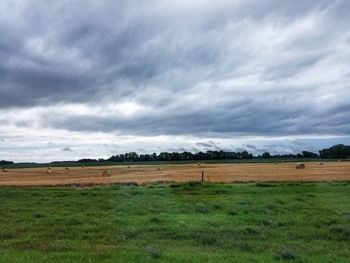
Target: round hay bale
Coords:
[(320, 163), (300, 166), (107, 173), (199, 164), (49, 171), (159, 168), (4, 170), (66, 168)]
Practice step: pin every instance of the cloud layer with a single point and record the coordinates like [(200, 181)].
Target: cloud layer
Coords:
[(194, 69)]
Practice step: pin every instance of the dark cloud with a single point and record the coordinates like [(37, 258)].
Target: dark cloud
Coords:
[(241, 120), (226, 69), (67, 149), (250, 146), (210, 145), (204, 144)]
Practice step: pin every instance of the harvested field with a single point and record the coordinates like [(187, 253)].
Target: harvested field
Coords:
[(140, 174)]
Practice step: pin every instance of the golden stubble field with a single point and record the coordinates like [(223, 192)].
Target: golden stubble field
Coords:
[(140, 174)]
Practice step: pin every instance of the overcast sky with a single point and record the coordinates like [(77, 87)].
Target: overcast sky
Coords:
[(96, 78)]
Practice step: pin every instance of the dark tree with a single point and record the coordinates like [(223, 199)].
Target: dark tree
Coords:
[(6, 162), (266, 155), (336, 152), (307, 154)]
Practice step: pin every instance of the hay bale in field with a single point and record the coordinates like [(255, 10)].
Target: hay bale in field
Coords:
[(320, 163), (300, 166), (159, 168), (66, 168), (107, 173), (4, 170)]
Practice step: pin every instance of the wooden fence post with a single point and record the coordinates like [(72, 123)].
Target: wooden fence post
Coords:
[(202, 176)]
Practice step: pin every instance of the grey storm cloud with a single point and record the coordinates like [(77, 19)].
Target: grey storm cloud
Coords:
[(67, 149), (234, 67), (204, 144), (250, 146)]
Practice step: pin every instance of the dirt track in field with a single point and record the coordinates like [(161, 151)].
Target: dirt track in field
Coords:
[(247, 172)]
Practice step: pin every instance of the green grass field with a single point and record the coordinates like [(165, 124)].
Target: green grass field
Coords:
[(177, 223)]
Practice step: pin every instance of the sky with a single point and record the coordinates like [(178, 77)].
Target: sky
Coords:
[(90, 79)]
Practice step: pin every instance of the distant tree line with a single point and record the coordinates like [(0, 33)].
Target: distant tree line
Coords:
[(5, 162), (303, 154), (184, 156), (88, 160), (336, 151), (339, 151)]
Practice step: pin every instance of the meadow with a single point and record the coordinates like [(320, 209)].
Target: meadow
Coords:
[(179, 222)]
